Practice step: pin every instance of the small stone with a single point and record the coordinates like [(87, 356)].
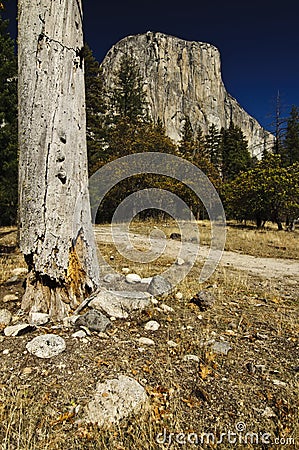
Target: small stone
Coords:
[(154, 301), (204, 300), (191, 358), (167, 308), (6, 351), (18, 330), (279, 383), (79, 334), (146, 341), (159, 285), (13, 280), (178, 295), (5, 317), (172, 344), (93, 320), (221, 348), (46, 346), (152, 325), (132, 278), (125, 270), (268, 412), (10, 298), (37, 318), (180, 262)]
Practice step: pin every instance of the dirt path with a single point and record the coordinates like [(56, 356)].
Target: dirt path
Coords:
[(265, 267)]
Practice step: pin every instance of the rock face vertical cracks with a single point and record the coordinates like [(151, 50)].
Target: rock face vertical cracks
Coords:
[(58, 246)]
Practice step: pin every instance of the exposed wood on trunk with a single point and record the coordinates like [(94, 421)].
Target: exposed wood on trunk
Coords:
[(57, 243)]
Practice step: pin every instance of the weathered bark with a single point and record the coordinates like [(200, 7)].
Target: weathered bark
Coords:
[(57, 243)]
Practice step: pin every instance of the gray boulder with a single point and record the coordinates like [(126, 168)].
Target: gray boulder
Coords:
[(120, 304), (159, 285), (115, 400), (94, 321), (46, 346)]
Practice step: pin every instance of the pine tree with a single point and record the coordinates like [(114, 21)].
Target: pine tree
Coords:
[(95, 111), (290, 153), (128, 97), (8, 128), (235, 154), (213, 146)]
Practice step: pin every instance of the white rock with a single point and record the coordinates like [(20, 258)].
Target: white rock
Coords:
[(166, 308), (178, 295), (172, 344), (6, 351), (46, 346), (152, 325), (191, 358), (5, 317), (120, 304), (70, 320), (279, 383), (146, 341), (125, 270), (180, 262), (16, 330), (268, 412), (115, 400), (79, 334), (10, 298), (221, 348), (132, 278), (37, 318)]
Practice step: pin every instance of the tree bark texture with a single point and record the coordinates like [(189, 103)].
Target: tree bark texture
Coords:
[(56, 234)]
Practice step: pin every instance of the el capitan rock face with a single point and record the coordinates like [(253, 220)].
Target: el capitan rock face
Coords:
[(183, 78)]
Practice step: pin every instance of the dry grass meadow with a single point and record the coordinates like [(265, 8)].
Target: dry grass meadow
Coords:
[(255, 384)]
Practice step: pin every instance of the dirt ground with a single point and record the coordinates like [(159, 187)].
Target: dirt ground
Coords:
[(247, 397)]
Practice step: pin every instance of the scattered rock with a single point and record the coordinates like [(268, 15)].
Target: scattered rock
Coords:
[(178, 295), (145, 341), (191, 358), (18, 330), (172, 344), (180, 262), (268, 412), (79, 334), (159, 285), (125, 270), (115, 400), (46, 346), (204, 300), (93, 320), (279, 383), (221, 348), (5, 317), (120, 304), (152, 325), (167, 308), (36, 318), (13, 280), (6, 351), (10, 298), (132, 278)]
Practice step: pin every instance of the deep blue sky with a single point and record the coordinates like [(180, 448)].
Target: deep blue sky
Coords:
[(258, 41)]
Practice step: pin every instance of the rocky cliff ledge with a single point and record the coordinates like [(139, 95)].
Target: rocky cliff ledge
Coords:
[(184, 78)]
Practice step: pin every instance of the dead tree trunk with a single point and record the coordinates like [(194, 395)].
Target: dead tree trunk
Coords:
[(57, 243)]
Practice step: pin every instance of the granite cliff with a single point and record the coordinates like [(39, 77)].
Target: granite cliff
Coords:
[(183, 78)]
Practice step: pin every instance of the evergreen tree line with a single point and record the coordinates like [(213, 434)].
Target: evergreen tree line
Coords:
[(118, 124)]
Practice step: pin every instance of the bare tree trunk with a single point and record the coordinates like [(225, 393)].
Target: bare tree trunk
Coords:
[(57, 243)]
